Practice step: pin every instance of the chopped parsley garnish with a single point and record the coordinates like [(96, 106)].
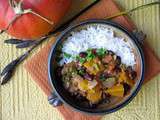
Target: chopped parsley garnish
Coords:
[(102, 77), (81, 72), (90, 55), (82, 60), (66, 55), (101, 51)]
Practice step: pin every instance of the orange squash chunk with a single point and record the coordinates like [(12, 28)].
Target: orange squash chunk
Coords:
[(94, 95), (117, 90), (94, 66), (83, 85), (123, 78)]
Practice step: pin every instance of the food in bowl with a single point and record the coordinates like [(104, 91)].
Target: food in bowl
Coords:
[(96, 66)]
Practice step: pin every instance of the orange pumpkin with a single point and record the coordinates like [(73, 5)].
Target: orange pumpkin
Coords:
[(117, 90), (30, 26), (123, 77)]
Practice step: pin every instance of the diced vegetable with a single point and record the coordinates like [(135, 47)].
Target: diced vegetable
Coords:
[(130, 82), (89, 66), (68, 71), (87, 85), (111, 66), (108, 83), (82, 60), (94, 66), (83, 85), (101, 52), (92, 84), (81, 72), (107, 58), (102, 77), (94, 95), (124, 78), (117, 90), (66, 55), (90, 55)]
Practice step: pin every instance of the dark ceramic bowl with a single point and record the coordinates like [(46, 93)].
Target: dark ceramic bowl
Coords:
[(103, 108)]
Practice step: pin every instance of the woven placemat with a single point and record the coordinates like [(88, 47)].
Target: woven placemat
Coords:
[(37, 65)]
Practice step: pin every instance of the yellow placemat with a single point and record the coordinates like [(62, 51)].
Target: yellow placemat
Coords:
[(21, 99)]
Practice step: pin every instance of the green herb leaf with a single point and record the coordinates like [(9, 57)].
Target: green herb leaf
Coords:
[(101, 52), (90, 55), (102, 77), (81, 72), (110, 79), (77, 57), (66, 55), (89, 51), (82, 60)]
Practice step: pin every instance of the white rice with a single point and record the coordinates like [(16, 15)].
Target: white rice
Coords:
[(97, 37)]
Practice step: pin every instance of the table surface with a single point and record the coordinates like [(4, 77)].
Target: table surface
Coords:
[(22, 99)]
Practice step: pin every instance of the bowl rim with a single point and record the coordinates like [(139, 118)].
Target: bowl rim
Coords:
[(113, 24)]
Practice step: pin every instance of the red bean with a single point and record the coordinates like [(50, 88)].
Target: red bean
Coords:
[(82, 54), (94, 51)]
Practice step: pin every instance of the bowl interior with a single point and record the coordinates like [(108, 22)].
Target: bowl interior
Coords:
[(116, 102)]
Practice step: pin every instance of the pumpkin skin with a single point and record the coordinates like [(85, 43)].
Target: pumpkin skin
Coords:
[(30, 26)]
